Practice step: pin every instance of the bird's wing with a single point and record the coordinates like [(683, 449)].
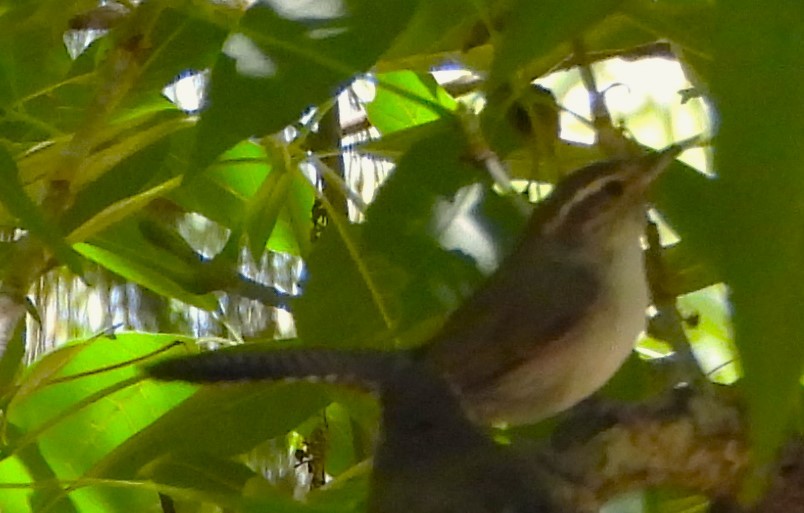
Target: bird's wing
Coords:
[(528, 303)]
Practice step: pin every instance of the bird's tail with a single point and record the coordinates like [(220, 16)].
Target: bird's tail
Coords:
[(360, 367)]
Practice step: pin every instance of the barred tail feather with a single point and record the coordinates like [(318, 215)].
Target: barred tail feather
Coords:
[(368, 367)]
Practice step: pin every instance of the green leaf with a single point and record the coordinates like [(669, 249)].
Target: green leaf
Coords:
[(27, 468), (120, 211), (346, 495), (125, 188), (263, 209), (534, 29), (338, 262), (341, 453), (14, 198), (145, 265), (183, 38), (33, 54), (242, 168), (688, 199), (299, 214), (394, 145), (758, 232), (688, 24), (101, 162), (399, 277), (712, 336), (389, 112), (218, 421), (436, 27), (225, 193), (212, 199), (281, 66), (73, 410), (12, 359), (209, 477)]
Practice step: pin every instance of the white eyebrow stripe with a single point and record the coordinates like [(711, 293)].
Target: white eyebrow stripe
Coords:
[(590, 189)]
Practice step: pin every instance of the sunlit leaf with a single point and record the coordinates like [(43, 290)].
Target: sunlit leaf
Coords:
[(71, 431), (263, 209), (220, 421), (390, 112)]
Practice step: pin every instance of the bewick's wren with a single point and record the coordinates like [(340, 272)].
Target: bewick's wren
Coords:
[(430, 458), (563, 311), (546, 330)]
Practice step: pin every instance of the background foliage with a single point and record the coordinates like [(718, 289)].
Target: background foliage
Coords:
[(102, 177)]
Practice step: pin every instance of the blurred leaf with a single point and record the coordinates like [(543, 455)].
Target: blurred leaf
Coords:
[(183, 38), (436, 27), (206, 475), (346, 494), (667, 500), (212, 199), (273, 68), (688, 24), (688, 199), (194, 478), (124, 189), (689, 271), (33, 54), (299, 214), (38, 375), (394, 266), (242, 168), (526, 119), (639, 380), (341, 451), (363, 409), (535, 28), (38, 163), (568, 156), (757, 231), (28, 467), (339, 261), (34, 467)]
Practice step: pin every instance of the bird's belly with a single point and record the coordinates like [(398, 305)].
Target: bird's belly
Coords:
[(571, 368)]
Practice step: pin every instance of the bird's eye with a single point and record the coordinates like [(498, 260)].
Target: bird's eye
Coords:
[(614, 188)]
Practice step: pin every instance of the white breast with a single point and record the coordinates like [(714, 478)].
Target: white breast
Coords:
[(577, 365)]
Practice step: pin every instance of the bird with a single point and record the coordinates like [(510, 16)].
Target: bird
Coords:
[(429, 458), (563, 311), (545, 331)]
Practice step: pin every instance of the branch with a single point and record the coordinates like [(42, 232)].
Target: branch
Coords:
[(689, 440)]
